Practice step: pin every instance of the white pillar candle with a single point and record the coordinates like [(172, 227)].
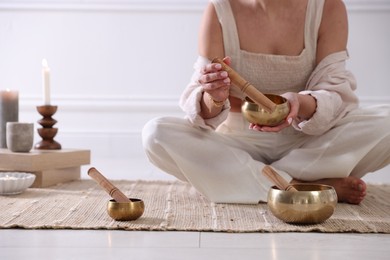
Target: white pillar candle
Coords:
[(9, 112), (46, 82)]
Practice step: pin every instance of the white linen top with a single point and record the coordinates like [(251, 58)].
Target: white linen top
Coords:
[(269, 73)]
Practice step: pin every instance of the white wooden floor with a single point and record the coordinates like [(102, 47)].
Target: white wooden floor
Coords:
[(88, 244), (101, 244)]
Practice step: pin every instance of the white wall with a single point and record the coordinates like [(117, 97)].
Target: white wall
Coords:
[(116, 64)]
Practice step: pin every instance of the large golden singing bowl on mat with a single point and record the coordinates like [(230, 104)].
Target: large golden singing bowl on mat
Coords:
[(124, 211), (255, 114), (311, 204)]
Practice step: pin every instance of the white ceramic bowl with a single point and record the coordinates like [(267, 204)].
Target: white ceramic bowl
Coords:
[(15, 182)]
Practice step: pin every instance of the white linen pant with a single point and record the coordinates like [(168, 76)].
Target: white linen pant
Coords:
[(225, 165)]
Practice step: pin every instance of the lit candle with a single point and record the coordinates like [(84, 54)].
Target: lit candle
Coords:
[(9, 112), (46, 82)]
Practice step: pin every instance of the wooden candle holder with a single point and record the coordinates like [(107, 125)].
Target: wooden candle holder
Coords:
[(47, 132)]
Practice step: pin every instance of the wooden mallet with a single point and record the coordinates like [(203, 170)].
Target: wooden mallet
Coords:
[(247, 88), (113, 191), (278, 180)]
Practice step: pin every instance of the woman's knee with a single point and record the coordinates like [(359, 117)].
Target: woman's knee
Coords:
[(161, 129), (151, 132), (382, 122), (371, 122)]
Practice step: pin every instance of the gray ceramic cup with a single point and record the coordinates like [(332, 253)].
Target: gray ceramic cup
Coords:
[(20, 136)]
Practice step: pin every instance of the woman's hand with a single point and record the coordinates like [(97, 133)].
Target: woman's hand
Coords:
[(215, 81), (294, 103)]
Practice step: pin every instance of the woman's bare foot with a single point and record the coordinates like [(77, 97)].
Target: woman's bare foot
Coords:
[(350, 189)]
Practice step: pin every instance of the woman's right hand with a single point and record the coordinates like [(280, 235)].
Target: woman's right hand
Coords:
[(215, 81)]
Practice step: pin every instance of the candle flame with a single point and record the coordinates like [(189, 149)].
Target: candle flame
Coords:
[(44, 63), (7, 89)]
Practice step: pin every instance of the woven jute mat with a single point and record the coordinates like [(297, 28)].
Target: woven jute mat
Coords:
[(173, 205)]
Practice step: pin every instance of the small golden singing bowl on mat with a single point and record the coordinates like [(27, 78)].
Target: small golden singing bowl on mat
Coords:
[(255, 114), (311, 204), (120, 207), (124, 211)]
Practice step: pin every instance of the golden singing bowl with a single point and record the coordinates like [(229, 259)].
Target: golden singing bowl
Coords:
[(311, 204), (255, 114), (131, 210)]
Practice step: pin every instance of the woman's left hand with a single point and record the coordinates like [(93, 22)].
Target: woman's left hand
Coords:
[(293, 101)]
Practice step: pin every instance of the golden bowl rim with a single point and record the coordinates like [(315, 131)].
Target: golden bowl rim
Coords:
[(268, 95), (296, 185), (132, 200)]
